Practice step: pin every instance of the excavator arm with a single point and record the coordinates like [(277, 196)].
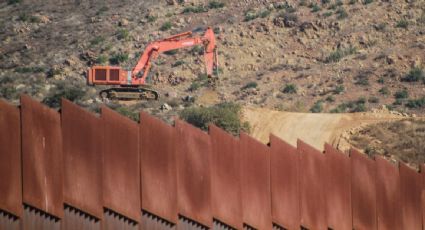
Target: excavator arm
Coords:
[(184, 40)]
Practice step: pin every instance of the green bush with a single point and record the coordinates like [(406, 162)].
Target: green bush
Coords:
[(264, 13), (373, 100), (178, 63), (249, 85), (225, 115), (341, 13), (327, 14), (414, 75), (250, 15), (351, 106), (362, 79), (367, 2), (33, 69), (97, 40), (64, 90), (330, 98), (289, 88), (28, 18), (384, 91), (416, 103), (215, 4), (201, 81), (402, 94), (118, 58), (197, 50), (125, 111), (315, 8), (11, 2), (402, 24), (151, 18), (166, 26), (122, 34), (339, 89), (8, 92), (338, 54), (101, 59), (195, 9), (317, 107), (171, 52)]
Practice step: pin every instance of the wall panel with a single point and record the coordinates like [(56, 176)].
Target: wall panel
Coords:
[(338, 189), (363, 191), (256, 196), (285, 187), (121, 165), (158, 167), (10, 160), (312, 185), (388, 195), (225, 182), (193, 173), (41, 157), (411, 189), (83, 149)]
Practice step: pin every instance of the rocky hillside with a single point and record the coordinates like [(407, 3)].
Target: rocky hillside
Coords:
[(304, 56)]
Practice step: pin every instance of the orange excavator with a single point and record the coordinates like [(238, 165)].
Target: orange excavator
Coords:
[(132, 84)]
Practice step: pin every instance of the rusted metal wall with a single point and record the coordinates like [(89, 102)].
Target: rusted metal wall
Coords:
[(187, 179), (312, 187), (363, 191), (10, 161), (83, 148), (255, 182), (193, 174), (285, 184), (388, 195), (121, 165), (41, 157), (158, 168), (338, 189), (411, 189), (225, 178)]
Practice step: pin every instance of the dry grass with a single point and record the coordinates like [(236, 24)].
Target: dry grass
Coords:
[(403, 140)]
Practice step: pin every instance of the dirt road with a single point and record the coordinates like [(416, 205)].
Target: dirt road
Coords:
[(313, 128)]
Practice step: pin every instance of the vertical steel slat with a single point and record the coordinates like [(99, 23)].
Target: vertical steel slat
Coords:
[(193, 173), (83, 149), (411, 189), (10, 160), (255, 182), (312, 185), (225, 178), (388, 195), (9, 221), (338, 189), (285, 184), (158, 167), (41, 157), (363, 191), (121, 165)]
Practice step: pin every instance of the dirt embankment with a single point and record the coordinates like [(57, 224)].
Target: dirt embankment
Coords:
[(313, 128)]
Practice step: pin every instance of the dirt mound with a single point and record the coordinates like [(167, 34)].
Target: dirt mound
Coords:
[(313, 128)]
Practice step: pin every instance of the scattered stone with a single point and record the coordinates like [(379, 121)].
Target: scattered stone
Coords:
[(123, 22), (166, 106)]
